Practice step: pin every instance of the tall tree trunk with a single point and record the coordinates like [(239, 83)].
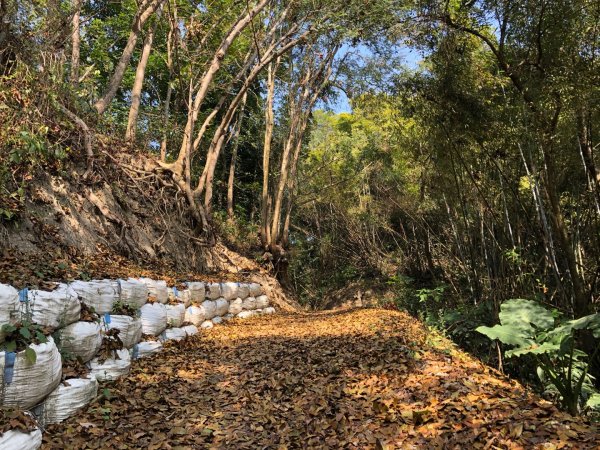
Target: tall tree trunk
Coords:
[(146, 9), (138, 83), (75, 42), (265, 231), (234, 151)]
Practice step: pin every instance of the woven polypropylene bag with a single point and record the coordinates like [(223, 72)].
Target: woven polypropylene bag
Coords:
[(112, 368), (98, 294), (80, 339), (154, 318), (56, 309), (18, 440), (67, 399)]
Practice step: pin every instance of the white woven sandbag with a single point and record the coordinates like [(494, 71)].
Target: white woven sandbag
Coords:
[(30, 383), (146, 348), (195, 315), (213, 291), (255, 289), (235, 307), (222, 306), (154, 318), (98, 294), (269, 310), (133, 293), (130, 328), (197, 291), (262, 301), (18, 440), (112, 368), (67, 399), (246, 314), (175, 334), (80, 339), (210, 308), (217, 320), (190, 330), (243, 290), (175, 314), (9, 306), (230, 290), (157, 289), (56, 309), (206, 325), (248, 304), (185, 297)]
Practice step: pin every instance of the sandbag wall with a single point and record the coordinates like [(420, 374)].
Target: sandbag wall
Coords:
[(80, 321)]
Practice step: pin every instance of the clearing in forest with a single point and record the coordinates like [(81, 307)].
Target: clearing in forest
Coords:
[(366, 378)]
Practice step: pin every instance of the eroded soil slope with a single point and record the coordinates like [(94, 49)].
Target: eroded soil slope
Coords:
[(364, 378)]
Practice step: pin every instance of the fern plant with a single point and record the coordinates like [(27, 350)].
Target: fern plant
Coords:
[(533, 330)]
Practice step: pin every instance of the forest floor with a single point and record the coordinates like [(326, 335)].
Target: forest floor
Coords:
[(362, 378)]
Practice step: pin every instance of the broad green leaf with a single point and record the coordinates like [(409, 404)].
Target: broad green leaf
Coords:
[(507, 334), (30, 355), (591, 322), (10, 346), (25, 333), (522, 313), (593, 402), (546, 347)]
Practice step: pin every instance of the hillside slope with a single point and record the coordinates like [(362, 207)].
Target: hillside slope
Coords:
[(125, 219)]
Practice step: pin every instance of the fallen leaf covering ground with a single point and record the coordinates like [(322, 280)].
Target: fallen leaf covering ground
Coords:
[(357, 379)]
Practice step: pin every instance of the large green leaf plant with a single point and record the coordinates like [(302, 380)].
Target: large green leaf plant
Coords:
[(530, 329)]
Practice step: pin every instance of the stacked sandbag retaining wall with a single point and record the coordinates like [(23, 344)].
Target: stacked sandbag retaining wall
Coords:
[(83, 314)]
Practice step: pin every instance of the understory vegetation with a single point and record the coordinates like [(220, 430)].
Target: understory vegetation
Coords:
[(460, 175)]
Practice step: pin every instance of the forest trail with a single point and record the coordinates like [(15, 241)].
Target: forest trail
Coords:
[(363, 378)]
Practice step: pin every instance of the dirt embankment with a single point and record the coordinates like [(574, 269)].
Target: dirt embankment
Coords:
[(125, 219)]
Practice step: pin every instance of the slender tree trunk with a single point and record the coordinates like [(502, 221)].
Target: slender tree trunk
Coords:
[(136, 91), (75, 42), (146, 9), (265, 231), (234, 151)]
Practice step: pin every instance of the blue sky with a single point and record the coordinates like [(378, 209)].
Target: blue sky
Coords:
[(410, 59)]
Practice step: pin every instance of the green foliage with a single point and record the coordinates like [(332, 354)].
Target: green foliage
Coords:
[(19, 337), (534, 331)]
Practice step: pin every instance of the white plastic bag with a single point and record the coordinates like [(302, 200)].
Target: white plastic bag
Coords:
[(269, 310), (98, 294), (112, 368), (154, 318), (195, 315), (210, 308), (190, 330), (67, 399), (9, 306), (57, 308), (185, 297), (249, 304), (146, 348), (217, 320), (262, 302), (243, 290), (246, 314), (157, 289), (25, 384), (206, 325), (197, 291), (230, 290), (255, 289), (175, 314), (130, 328), (222, 306), (235, 307), (18, 440), (133, 293), (176, 334), (213, 291), (80, 339)]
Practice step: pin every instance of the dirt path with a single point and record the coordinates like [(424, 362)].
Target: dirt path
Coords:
[(351, 379)]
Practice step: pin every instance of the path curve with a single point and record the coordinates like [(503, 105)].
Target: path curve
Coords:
[(349, 379)]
